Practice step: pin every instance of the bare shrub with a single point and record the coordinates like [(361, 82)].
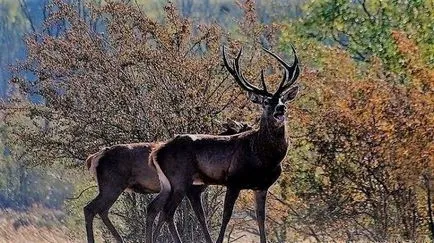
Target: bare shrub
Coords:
[(109, 74)]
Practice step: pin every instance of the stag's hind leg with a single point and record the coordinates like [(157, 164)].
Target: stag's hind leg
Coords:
[(193, 195), (175, 172), (163, 218), (164, 204), (155, 207), (230, 199), (158, 227), (167, 215), (169, 212)]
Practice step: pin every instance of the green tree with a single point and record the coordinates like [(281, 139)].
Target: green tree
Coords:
[(364, 28)]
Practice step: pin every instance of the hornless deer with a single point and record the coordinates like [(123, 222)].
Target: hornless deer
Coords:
[(250, 160), (125, 166)]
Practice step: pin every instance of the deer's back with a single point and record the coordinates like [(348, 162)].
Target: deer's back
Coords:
[(128, 164), (220, 160)]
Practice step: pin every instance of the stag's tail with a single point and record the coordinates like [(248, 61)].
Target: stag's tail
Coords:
[(93, 160)]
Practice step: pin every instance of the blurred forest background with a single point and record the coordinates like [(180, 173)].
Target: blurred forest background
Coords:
[(78, 75)]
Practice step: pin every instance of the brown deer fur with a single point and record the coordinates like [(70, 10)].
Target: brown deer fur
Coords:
[(125, 166), (249, 160)]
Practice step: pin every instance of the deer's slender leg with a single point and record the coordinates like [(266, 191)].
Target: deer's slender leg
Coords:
[(159, 226), (89, 214), (196, 203), (161, 220), (230, 198), (169, 212), (109, 225), (100, 205), (261, 197), (154, 208)]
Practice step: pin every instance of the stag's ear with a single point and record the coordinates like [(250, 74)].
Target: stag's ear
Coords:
[(231, 124), (256, 98), (290, 94)]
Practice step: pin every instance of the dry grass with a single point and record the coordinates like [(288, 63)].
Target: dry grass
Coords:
[(35, 225)]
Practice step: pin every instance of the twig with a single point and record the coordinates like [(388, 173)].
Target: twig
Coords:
[(79, 195)]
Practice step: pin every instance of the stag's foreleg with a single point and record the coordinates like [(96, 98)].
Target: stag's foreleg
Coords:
[(261, 196), (230, 199)]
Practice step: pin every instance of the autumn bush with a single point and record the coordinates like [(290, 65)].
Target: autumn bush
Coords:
[(361, 163), (113, 75)]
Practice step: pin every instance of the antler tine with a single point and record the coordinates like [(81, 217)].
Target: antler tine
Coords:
[(239, 77), (233, 72), (263, 81), (246, 83), (294, 77), (293, 70), (285, 77)]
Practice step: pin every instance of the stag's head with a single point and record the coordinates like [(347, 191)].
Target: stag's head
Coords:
[(273, 104)]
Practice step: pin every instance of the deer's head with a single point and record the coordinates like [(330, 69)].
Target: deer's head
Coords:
[(273, 104)]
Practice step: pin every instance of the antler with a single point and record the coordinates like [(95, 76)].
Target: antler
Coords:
[(292, 70), (239, 78), (284, 85)]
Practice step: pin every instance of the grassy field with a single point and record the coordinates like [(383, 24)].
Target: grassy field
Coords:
[(35, 225), (46, 225)]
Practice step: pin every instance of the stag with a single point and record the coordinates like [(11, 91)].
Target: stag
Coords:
[(125, 167), (250, 160)]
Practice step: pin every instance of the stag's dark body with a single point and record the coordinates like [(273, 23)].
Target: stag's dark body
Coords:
[(125, 167), (257, 161), (250, 160)]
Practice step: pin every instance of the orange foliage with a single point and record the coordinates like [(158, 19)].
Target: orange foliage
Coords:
[(362, 143)]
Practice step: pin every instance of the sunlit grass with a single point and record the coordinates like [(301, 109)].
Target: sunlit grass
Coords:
[(34, 225)]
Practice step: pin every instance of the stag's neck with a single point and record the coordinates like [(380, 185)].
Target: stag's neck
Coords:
[(270, 144)]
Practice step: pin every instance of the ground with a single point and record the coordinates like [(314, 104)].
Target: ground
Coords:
[(35, 225)]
